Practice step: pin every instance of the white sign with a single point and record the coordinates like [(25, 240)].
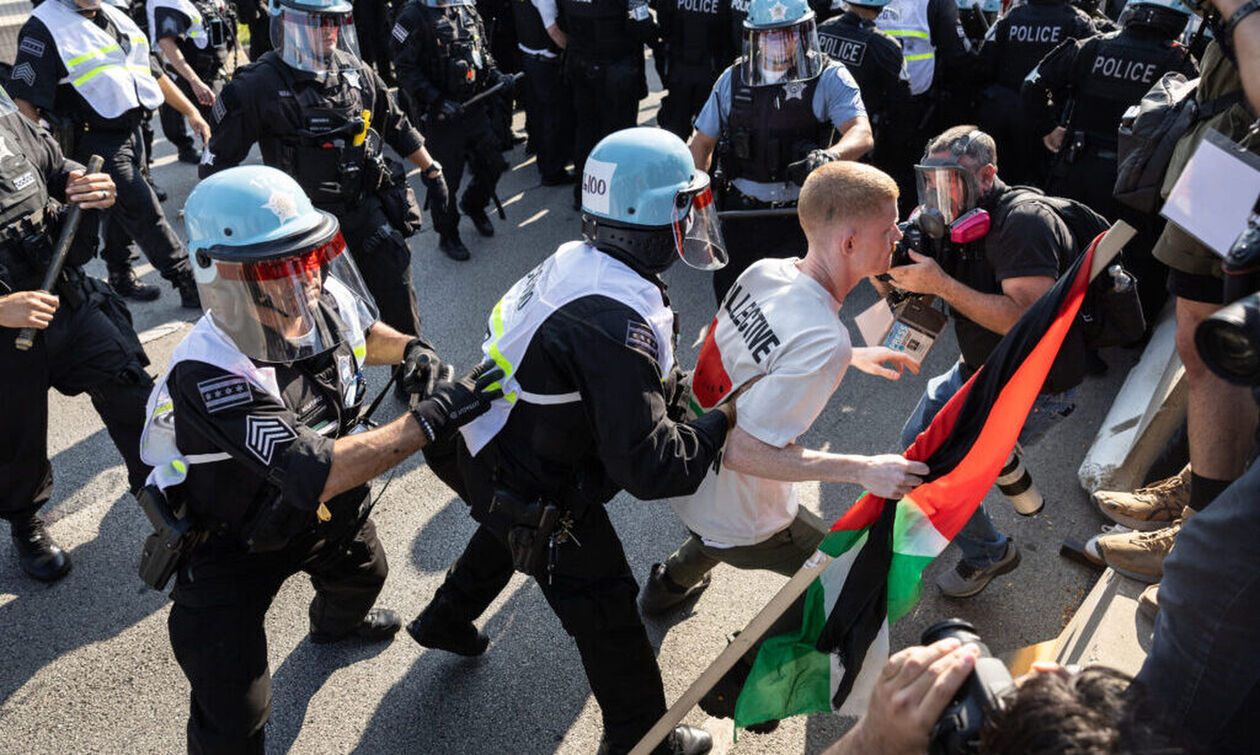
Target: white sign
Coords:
[(1214, 195), (595, 185)]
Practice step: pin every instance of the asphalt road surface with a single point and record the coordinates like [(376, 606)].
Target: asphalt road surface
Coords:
[(85, 665)]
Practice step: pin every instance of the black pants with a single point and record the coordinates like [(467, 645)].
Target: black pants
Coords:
[(688, 89), (136, 209), (384, 261), (221, 597), (173, 124), (605, 99), (751, 239), (88, 348), (549, 111), (591, 591), (471, 140)]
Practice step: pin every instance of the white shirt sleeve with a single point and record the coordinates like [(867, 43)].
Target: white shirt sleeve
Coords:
[(546, 9)]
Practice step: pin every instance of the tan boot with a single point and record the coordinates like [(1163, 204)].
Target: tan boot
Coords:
[(1148, 602), (1139, 555), (1148, 508)]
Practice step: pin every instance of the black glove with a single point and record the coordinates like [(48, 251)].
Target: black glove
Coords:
[(439, 196), (798, 171), (507, 80), (445, 109), (455, 404), (422, 369)]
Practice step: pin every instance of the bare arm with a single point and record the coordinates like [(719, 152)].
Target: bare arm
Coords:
[(359, 458), (1246, 48), (995, 312), (177, 100), (702, 146), (174, 56), (385, 345), (421, 159), (558, 36), (856, 139), (889, 475)]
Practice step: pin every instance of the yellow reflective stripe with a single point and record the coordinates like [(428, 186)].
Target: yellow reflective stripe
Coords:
[(163, 408), (496, 332), (93, 73), (89, 55), (360, 352), (921, 56), (179, 466), (907, 33)]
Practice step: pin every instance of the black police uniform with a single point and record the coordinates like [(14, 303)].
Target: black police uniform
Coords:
[(253, 13), (548, 98), (604, 63), (1095, 80), (118, 140), (1018, 41), (274, 448), (697, 48), (441, 56), (372, 22), (286, 111), (90, 346), (209, 63), (580, 455), (874, 59)]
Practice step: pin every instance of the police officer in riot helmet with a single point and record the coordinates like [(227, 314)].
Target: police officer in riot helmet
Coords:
[(695, 48), (873, 57), (1074, 100), (254, 437), (594, 407), (770, 119), (197, 38), (1017, 42), (87, 69), (84, 340), (442, 57), (975, 18), (321, 115)]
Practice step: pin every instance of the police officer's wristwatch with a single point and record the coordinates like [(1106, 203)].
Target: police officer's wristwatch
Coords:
[(433, 170)]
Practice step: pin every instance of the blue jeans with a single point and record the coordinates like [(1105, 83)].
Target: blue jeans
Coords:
[(980, 542), (1203, 671)]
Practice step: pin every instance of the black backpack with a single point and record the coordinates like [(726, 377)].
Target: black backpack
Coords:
[(1109, 316), (1149, 132)]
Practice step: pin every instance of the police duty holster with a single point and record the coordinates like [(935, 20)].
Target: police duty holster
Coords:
[(398, 199), (531, 528), (175, 534)]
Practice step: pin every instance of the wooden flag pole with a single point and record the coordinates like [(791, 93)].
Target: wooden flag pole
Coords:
[(1108, 247)]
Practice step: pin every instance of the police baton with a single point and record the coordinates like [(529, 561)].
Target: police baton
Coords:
[(769, 212), (26, 338), (492, 90)]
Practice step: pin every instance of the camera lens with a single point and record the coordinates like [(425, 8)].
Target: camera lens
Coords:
[(1229, 341), (958, 628)]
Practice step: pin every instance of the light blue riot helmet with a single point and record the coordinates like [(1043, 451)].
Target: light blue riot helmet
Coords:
[(780, 43), (984, 6), (868, 3), (1167, 16), (271, 269), (307, 33), (645, 202)]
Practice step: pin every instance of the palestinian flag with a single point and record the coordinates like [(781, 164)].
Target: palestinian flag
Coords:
[(881, 547)]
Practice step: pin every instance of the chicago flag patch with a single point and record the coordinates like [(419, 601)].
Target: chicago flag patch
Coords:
[(223, 393)]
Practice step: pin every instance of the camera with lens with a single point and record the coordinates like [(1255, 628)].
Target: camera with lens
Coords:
[(1229, 340), (958, 729)]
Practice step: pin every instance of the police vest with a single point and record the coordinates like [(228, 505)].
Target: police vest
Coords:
[(772, 125), (110, 79), (697, 33), (530, 31), (206, 343), (907, 22), (323, 155), (870, 55), (597, 29), (576, 270), (1115, 71), (205, 46), (454, 52), (1030, 31), (24, 204)]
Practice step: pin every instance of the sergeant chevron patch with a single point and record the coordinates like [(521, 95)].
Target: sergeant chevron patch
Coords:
[(263, 434)]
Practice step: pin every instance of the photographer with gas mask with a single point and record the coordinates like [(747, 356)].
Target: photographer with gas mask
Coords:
[(989, 251)]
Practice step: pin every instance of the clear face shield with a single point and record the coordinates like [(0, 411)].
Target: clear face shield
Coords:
[(779, 56), (82, 6), (948, 189), (290, 308), (697, 230), (307, 40)]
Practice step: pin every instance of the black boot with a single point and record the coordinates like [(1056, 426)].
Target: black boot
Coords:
[(478, 216), (453, 247), (683, 740), (187, 288), (379, 624), (39, 556), (436, 628), (190, 155), (661, 593), (127, 285)]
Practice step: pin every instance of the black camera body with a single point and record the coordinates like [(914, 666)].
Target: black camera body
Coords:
[(958, 728), (1229, 340)]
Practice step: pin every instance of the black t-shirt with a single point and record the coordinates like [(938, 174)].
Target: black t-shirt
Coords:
[(37, 69), (275, 446), (1032, 241)]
